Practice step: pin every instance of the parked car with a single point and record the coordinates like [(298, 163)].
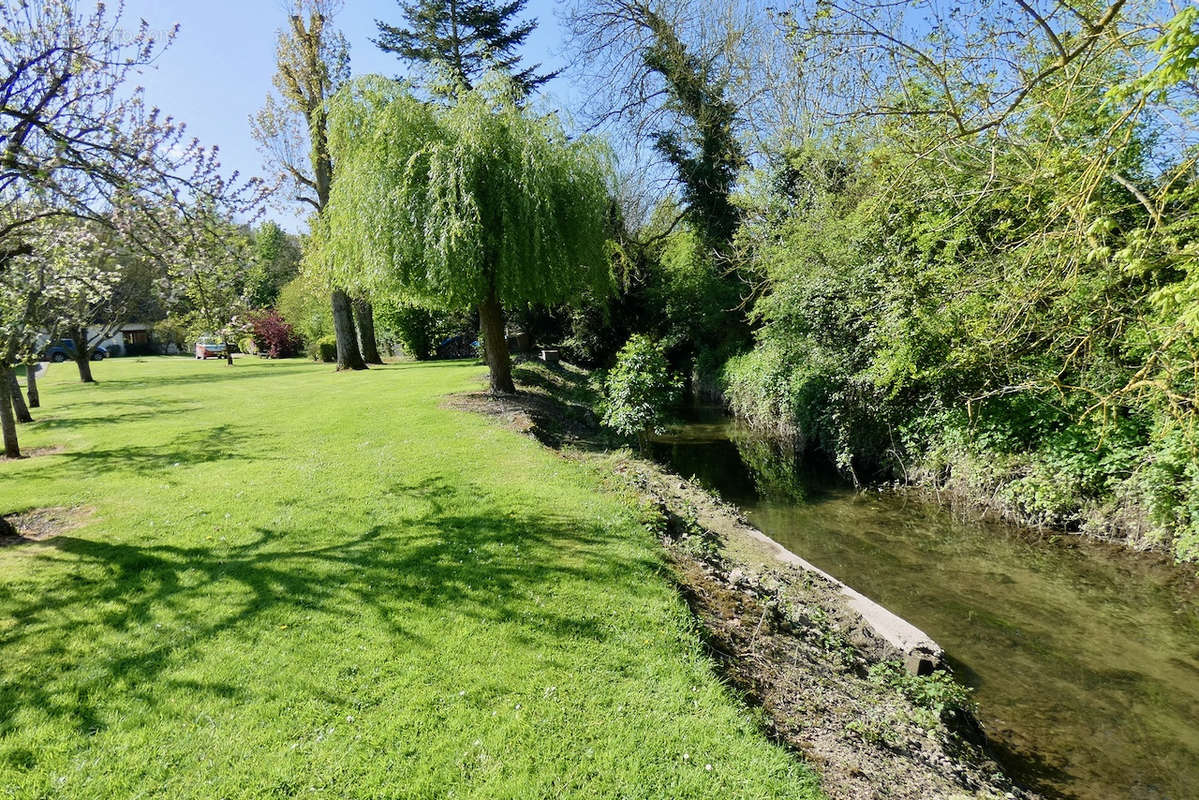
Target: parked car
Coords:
[(460, 346), (65, 348), (207, 346)]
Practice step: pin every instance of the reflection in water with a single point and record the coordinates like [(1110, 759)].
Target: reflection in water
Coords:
[(1084, 657)]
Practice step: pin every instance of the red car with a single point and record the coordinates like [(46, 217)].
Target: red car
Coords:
[(209, 346)]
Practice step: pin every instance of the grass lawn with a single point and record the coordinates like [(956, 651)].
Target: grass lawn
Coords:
[(298, 583)]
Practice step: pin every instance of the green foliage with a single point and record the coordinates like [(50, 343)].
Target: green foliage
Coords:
[(937, 692), (170, 331), (465, 38), (695, 299), (304, 302), (207, 272), (1169, 486), (640, 389), (415, 328), (325, 350), (1177, 50), (445, 206), (276, 261), (705, 153), (950, 323)]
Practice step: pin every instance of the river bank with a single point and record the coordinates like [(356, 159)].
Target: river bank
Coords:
[(781, 636), (1108, 490), (1084, 656)]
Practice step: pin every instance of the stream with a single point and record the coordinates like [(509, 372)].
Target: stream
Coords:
[(1083, 657)]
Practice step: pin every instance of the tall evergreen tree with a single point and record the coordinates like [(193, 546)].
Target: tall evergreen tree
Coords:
[(468, 38)]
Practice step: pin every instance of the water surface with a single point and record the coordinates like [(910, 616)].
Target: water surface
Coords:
[(1084, 657)]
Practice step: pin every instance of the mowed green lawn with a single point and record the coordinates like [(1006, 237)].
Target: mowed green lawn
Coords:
[(302, 584)]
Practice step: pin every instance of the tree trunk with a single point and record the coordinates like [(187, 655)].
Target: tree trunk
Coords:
[(7, 424), (20, 410), (35, 399), (364, 318), (82, 356), (348, 355), (495, 343)]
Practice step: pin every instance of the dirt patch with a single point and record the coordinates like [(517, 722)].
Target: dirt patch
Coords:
[(35, 452), (509, 412), (549, 407), (41, 524), (781, 636), (52, 450)]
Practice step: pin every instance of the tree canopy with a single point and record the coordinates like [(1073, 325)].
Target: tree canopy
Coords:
[(449, 204), (458, 206)]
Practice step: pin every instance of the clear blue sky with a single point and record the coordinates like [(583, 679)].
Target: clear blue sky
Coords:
[(218, 71)]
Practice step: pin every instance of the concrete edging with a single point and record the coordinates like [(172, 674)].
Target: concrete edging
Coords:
[(920, 654)]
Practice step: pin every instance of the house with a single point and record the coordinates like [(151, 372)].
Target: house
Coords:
[(134, 338)]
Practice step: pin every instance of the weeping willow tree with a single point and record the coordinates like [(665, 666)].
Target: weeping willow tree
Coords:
[(482, 204)]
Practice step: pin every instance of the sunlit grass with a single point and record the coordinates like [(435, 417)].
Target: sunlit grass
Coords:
[(298, 583)]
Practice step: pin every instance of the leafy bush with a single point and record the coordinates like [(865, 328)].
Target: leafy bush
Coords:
[(415, 328), (937, 692), (425, 333), (325, 350), (304, 303), (273, 336), (169, 331), (976, 346), (694, 295), (640, 389)]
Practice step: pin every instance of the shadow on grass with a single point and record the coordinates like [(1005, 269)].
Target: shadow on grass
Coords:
[(435, 363), (558, 403), (220, 372), (189, 448), (96, 624), (143, 412)]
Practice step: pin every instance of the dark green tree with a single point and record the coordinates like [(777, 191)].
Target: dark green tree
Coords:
[(467, 38), (672, 80), (276, 261), (706, 154)]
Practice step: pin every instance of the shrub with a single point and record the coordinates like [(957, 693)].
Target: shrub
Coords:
[(304, 303), (170, 331), (140, 349), (273, 336), (425, 333), (416, 329), (326, 350), (938, 693), (640, 389)]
